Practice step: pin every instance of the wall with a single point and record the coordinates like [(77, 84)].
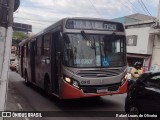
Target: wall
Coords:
[(155, 63), (144, 43), (2, 42)]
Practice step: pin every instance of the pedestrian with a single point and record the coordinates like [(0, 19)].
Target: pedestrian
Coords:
[(136, 71)]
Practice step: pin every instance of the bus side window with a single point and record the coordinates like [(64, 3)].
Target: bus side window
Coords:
[(42, 46), (22, 51), (36, 47), (19, 52), (39, 46), (29, 48), (26, 49), (46, 46)]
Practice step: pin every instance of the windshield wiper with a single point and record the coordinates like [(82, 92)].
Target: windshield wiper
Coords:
[(84, 35), (111, 39), (88, 39)]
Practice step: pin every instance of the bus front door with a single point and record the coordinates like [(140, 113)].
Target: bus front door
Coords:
[(33, 61), (55, 64)]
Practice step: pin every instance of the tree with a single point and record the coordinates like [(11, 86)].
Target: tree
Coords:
[(18, 37)]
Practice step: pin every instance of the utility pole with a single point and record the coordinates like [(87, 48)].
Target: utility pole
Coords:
[(7, 7), (155, 31), (158, 15)]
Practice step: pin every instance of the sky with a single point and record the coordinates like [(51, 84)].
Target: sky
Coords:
[(42, 13)]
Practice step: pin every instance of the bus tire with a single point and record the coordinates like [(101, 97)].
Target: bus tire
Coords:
[(134, 110), (46, 86), (26, 79)]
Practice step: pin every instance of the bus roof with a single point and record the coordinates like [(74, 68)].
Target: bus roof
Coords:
[(61, 22)]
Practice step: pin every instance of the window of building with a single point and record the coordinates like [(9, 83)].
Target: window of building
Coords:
[(131, 40)]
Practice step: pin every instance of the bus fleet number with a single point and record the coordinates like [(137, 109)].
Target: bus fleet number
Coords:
[(85, 82)]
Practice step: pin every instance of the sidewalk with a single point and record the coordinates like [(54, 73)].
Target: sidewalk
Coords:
[(16, 102)]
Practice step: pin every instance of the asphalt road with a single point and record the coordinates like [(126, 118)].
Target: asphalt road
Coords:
[(23, 98)]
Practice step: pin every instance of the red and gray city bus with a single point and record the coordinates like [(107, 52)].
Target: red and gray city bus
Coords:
[(76, 58)]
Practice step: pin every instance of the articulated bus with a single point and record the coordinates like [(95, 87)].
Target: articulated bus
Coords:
[(76, 58)]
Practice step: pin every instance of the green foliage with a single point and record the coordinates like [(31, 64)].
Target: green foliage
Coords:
[(18, 37)]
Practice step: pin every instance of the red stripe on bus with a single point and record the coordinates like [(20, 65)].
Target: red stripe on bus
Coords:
[(70, 92)]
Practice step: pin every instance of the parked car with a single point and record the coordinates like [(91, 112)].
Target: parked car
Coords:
[(14, 65), (144, 94)]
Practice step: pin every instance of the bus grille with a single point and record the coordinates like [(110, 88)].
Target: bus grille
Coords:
[(99, 73), (94, 89)]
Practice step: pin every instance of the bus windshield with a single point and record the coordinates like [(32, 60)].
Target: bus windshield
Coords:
[(88, 50)]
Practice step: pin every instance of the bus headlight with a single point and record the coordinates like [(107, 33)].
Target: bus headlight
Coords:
[(67, 79), (71, 81)]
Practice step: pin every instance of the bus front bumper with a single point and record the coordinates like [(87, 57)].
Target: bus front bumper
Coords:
[(70, 92)]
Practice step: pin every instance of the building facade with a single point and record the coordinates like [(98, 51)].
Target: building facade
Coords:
[(140, 43), (20, 27)]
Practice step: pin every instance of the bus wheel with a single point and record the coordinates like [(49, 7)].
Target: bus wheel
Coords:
[(133, 110), (26, 79)]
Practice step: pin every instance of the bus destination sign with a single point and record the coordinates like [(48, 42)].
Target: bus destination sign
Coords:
[(94, 25), (111, 27)]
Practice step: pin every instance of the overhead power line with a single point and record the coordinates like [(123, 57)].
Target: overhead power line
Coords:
[(145, 9), (134, 5), (34, 19), (126, 6), (142, 7), (95, 9), (36, 23)]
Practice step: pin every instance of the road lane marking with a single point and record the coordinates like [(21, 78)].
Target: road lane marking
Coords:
[(19, 106), (26, 118)]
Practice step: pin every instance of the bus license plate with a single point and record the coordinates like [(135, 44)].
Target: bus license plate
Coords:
[(102, 90)]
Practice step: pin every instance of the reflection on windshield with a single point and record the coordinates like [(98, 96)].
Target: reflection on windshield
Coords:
[(93, 50)]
